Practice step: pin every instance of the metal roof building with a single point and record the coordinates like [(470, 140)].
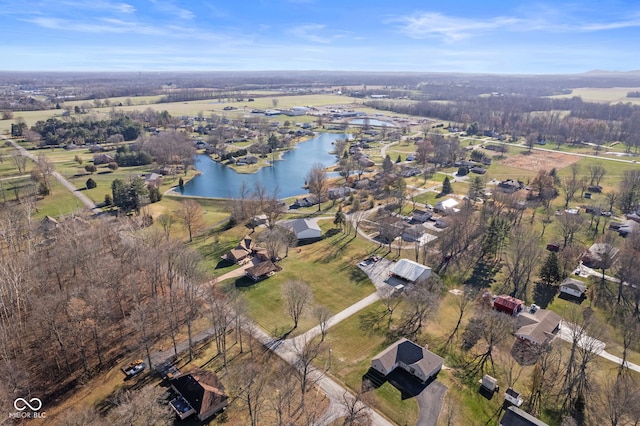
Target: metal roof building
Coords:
[(409, 270)]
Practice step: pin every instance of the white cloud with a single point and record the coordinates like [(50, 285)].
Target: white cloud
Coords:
[(105, 25), (451, 28), (434, 24), (316, 33), (101, 5), (171, 9)]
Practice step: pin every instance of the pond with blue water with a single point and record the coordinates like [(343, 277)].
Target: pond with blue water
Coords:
[(286, 175), (372, 122)]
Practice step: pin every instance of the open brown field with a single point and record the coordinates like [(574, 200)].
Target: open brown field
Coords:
[(603, 94), (540, 160)]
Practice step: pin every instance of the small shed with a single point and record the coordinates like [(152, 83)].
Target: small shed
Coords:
[(573, 287), (489, 383), (513, 397), (508, 305)]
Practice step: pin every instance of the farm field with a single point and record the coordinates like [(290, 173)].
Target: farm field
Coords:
[(606, 94)]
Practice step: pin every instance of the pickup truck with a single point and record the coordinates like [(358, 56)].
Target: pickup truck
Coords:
[(134, 368)]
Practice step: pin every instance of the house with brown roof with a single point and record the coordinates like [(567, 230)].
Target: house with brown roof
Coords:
[(409, 356), (599, 255), (262, 270), (200, 393), (49, 223), (244, 250), (538, 328)]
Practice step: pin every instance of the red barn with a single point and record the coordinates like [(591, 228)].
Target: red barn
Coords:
[(508, 305)]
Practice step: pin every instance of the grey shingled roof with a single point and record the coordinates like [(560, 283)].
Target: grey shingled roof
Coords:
[(412, 354)]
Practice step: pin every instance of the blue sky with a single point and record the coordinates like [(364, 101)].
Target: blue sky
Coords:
[(488, 36)]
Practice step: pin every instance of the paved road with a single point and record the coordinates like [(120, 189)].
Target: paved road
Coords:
[(598, 346), (335, 392), (286, 349), (83, 198)]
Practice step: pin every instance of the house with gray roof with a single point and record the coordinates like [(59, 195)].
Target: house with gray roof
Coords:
[(538, 328), (573, 287), (305, 229), (409, 356), (514, 416)]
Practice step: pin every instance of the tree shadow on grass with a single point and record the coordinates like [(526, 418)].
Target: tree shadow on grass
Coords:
[(373, 322), (224, 264), (245, 282), (544, 294)]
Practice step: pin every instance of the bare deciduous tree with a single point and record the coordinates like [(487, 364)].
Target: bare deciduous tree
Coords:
[(146, 406), (494, 328), (317, 182), (249, 382), (461, 301), (544, 378), (357, 413), (571, 184), (166, 221), (521, 260), (322, 315), (191, 216), (297, 296), (20, 161), (306, 354), (596, 172), (391, 299)]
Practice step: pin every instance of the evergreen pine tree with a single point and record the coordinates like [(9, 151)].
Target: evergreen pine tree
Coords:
[(550, 270), (446, 186)]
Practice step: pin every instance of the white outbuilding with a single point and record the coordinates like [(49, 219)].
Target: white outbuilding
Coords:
[(305, 229), (410, 271)]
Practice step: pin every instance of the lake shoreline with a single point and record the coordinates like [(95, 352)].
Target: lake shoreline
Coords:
[(284, 177)]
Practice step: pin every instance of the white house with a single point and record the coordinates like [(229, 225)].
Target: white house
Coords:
[(409, 270), (305, 229), (448, 206), (573, 287)]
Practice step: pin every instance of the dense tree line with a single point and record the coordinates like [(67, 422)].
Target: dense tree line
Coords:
[(55, 131), (520, 116), (77, 297)]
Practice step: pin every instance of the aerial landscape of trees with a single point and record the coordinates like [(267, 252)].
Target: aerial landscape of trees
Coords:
[(538, 177)]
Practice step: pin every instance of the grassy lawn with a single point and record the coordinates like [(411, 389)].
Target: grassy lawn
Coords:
[(329, 268), (353, 343), (59, 202)]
